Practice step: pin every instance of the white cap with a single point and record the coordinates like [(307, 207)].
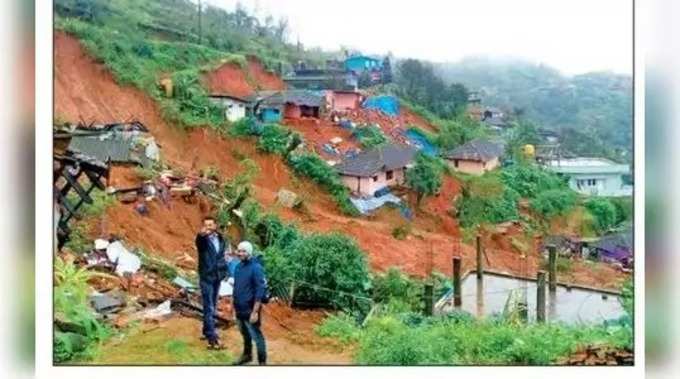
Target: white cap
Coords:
[(101, 244), (246, 246)]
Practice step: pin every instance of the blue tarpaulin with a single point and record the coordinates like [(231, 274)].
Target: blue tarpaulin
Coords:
[(367, 205), (389, 105), (420, 142)]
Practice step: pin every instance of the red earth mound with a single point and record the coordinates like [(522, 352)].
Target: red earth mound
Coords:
[(263, 79)]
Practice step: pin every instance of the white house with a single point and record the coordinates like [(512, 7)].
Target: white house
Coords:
[(234, 107), (593, 176)]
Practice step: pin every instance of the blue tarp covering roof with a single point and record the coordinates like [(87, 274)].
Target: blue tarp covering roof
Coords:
[(389, 105), (421, 143)]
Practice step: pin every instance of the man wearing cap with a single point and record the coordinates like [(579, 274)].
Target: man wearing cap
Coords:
[(212, 269), (249, 291)]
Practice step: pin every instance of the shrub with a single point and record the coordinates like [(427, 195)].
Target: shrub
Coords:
[(401, 232), (425, 178), (530, 180), (395, 285), (554, 202), (312, 166), (604, 213), (341, 326), (78, 330), (370, 136), (274, 139), (332, 269), (486, 199)]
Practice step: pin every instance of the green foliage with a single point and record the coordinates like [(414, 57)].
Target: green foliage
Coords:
[(486, 199), (244, 127), (624, 209), (417, 82), (275, 139), (312, 166), (340, 326), (401, 232), (604, 213), (334, 262), (100, 201), (529, 180), (592, 111), (369, 136), (71, 307), (554, 202), (562, 264), (458, 131), (393, 286), (78, 242), (425, 177), (464, 341)]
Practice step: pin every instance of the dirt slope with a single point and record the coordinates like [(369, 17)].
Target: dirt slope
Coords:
[(85, 90), (231, 79)]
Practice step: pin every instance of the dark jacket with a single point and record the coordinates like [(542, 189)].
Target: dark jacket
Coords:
[(212, 266), (249, 286)]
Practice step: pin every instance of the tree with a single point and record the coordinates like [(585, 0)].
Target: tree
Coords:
[(425, 178), (336, 264)]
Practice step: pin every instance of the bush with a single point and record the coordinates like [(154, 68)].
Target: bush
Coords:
[(530, 180), (332, 269), (554, 202), (370, 136), (275, 139), (425, 178), (401, 232), (486, 199), (341, 326), (312, 166), (395, 285), (79, 329), (604, 212), (465, 341)]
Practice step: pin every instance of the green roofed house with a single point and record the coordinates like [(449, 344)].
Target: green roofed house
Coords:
[(593, 176)]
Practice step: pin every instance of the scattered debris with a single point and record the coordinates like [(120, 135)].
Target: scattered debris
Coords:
[(125, 261), (162, 311), (184, 284), (106, 303)]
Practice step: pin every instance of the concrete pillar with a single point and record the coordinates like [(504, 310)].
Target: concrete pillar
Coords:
[(540, 296), (457, 290)]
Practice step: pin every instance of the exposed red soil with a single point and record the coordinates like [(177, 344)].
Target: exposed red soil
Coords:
[(85, 90), (263, 79), (409, 117), (318, 132), (229, 79), (123, 176)]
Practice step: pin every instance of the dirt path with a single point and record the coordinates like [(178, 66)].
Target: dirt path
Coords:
[(289, 335)]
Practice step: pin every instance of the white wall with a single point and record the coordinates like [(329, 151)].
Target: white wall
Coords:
[(234, 110)]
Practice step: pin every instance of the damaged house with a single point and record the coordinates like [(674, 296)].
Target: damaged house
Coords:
[(475, 157), (375, 169), (289, 104), (343, 101)]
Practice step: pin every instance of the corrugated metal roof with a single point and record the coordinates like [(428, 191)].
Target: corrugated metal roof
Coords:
[(114, 146), (297, 97), (383, 158)]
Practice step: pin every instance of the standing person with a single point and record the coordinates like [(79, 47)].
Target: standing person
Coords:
[(212, 269), (249, 292)]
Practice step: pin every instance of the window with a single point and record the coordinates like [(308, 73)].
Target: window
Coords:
[(389, 175), (375, 178), (455, 163)]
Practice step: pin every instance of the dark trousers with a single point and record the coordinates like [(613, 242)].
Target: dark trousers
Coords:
[(252, 332), (209, 293)]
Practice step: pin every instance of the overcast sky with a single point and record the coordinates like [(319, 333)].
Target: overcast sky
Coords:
[(574, 36)]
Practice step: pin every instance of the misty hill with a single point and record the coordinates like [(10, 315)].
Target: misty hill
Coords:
[(593, 111)]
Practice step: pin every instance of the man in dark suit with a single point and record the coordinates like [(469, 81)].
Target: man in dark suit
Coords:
[(212, 269)]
